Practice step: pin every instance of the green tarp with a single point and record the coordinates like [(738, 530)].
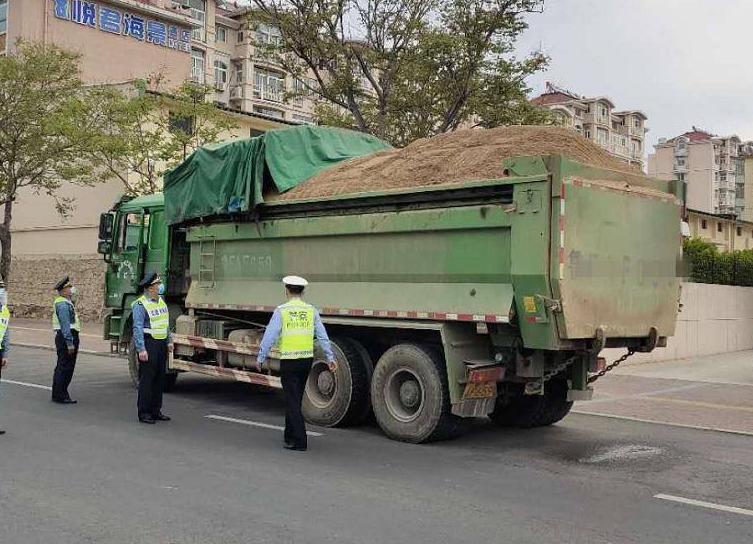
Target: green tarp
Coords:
[(230, 177)]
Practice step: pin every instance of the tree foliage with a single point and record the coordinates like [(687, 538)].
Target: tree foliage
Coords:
[(706, 264), (45, 123), (406, 69), (140, 134)]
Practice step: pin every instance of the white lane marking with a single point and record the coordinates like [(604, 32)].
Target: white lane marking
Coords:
[(704, 504), (17, 328), (667, 423), (255, 424), (26, 384)]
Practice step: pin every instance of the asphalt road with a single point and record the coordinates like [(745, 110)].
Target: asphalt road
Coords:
[(91, 473)]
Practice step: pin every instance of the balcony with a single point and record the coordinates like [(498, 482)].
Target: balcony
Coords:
[(681, 151), (599, 119), (677, 168), (237, 92), (637, 131)]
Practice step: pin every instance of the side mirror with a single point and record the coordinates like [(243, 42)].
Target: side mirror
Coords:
[(106, 221), (104, 247)]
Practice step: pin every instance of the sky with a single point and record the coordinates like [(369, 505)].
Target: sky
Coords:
[(682, 62)]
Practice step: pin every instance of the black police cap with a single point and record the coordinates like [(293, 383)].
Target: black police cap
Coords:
[(148, 280), (62, 284)]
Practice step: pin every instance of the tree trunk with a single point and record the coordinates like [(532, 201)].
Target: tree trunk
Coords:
[(5, 241)]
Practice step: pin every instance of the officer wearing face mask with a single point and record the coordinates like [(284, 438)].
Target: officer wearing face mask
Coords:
[(4, 337), (152, 340), (66, 324)]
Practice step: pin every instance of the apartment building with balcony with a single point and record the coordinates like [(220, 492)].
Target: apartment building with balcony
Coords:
[(621, 133), (225, 54), (712, 167)]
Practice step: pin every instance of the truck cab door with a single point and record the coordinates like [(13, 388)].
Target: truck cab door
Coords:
[(155, 243), (126, 264)]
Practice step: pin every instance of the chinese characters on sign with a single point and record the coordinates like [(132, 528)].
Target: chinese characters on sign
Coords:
[(114, 21)]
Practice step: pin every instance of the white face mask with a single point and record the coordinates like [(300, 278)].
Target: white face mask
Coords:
[(3, 296), (74, 293)]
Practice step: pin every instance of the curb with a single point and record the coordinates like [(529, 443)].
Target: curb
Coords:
[(51, 348)]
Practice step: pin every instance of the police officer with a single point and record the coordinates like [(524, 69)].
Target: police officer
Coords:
[(4, 336), (292, 328), (152, 339), (66, 324)]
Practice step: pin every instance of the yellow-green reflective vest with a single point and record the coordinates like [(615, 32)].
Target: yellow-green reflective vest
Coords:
[(297, 334), (4, 320), (56, 322), (159, 317)]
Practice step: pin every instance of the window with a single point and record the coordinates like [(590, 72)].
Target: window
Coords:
[(603, 111), (180, 124), (638, 123), (220, 34), (238, 72), (239, 37), (739, 231), (680, 177), (269, 36), (718, 227), (268, 85), (269, 112), (3, 16), (198, 12), (588, 134), (130, 230), (197, 65), (703, 224), (303, 119), (681, 162), (220, 72)]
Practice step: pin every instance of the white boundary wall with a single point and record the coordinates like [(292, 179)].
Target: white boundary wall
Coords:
[(714, 319)]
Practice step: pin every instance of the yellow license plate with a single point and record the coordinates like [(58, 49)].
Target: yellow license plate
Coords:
[(482, 390)]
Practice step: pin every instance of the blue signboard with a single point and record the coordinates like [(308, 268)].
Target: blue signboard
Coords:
[(123, 23)]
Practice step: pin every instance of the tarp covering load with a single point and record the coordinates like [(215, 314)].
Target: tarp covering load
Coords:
[(464, 155), (231, 177)]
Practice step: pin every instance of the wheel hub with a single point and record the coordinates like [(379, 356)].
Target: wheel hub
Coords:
[(326, 383), (410, 394), (404, 394)]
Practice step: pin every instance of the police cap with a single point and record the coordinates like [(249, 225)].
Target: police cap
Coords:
[(295, 281), (62, 284), (149, 279)]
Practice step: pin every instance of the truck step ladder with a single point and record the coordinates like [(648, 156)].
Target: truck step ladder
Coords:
[(207, 247)]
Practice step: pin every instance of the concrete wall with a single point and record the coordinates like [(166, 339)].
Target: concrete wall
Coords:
[(714, 319)]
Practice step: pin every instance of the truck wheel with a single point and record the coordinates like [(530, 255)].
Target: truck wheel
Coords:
[(342, 398), (410, 395), (526, 411)]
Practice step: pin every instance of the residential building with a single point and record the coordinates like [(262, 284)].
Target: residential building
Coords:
[(119, 41), (711, 166), (621, 133), (725, 232)]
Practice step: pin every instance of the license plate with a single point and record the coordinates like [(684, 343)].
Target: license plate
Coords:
[(482, 390)]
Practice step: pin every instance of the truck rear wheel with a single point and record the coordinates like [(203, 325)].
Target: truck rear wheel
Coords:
[(527, 411), (410, 395), (342, 398)]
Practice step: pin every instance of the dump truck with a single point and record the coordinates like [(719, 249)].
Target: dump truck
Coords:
[(479, 298)]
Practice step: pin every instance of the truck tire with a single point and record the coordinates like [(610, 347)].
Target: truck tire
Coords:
[(410, 395), (341, 399), (528, 411)]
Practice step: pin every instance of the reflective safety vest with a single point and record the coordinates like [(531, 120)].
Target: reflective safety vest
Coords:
[(297, 333), (75, 325), (4, 320), (159, 317)]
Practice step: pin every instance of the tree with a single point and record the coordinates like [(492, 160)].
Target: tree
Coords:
[(406, 69), (44, 127), (140, 134)]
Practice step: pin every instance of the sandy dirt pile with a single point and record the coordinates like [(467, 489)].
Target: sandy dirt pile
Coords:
[(465, 155)]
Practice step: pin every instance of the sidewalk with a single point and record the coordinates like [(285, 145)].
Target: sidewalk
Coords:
[(713, 392), (38, 333)]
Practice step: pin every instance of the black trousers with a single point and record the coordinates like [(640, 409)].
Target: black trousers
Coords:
[(152, 377), (65, 366), (293, 375)]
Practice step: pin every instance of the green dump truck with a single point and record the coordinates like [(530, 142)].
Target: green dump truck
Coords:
[(482, 298)]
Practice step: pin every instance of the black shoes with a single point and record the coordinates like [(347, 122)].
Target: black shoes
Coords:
[(65, 401), (2, 432), (161, 417), (149, 420), (293, 447)]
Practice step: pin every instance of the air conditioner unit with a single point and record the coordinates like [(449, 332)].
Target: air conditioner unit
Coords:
[(236, 92)]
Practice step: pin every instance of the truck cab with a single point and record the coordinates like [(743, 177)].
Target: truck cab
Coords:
[(133, 240)]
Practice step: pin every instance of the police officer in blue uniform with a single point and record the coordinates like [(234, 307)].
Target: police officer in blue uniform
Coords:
[(152, 340), (66, 325)]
